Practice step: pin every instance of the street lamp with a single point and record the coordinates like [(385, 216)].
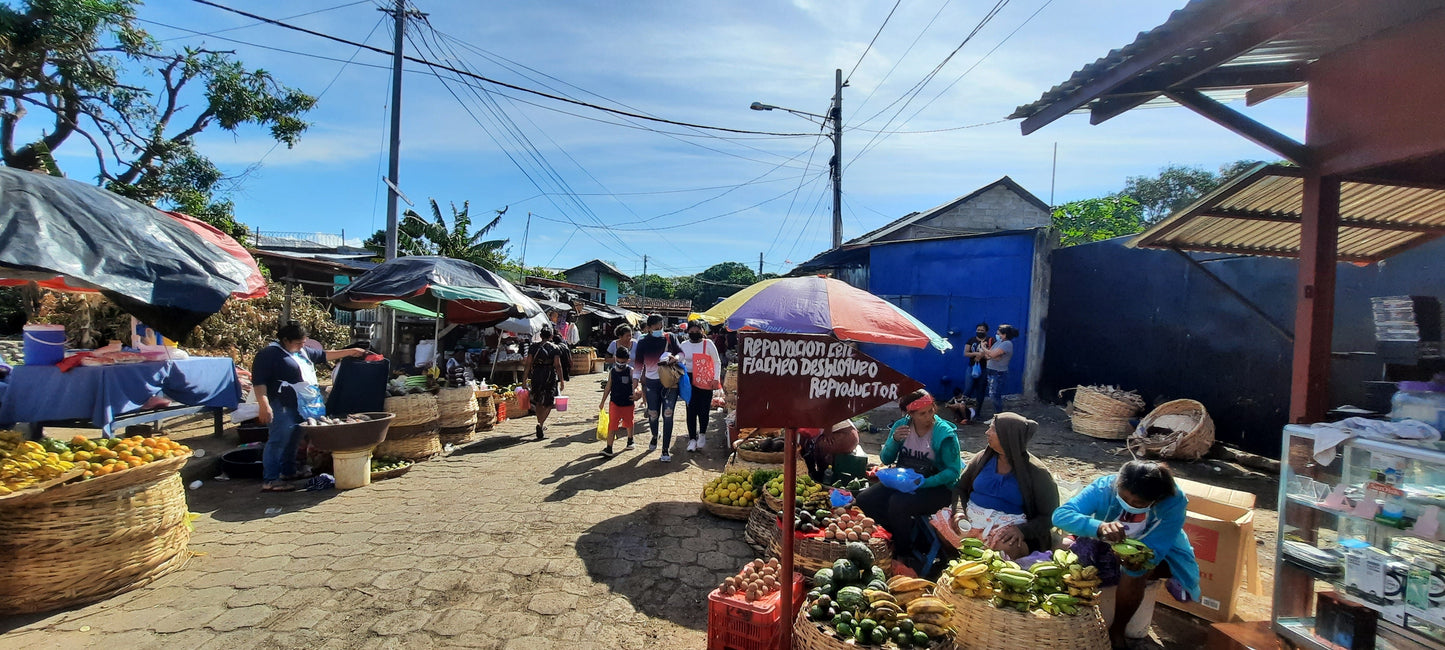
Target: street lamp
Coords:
[(835, 115)]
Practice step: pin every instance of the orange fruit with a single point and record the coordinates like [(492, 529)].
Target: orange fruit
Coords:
[(136, 462)]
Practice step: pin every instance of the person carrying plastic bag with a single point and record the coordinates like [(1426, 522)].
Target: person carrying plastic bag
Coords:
[(284, 378), (927, 444), (618, 404)]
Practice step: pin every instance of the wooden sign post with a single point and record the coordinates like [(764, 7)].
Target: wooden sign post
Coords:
[(806, 380)]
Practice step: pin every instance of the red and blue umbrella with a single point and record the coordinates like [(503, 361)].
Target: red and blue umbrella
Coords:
[(822, 305)]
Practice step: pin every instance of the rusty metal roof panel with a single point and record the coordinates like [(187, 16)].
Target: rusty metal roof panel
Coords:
[(1259, 213), (1320, 31)]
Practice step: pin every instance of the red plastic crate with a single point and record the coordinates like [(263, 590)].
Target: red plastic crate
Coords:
[(501, 412), (733, 623)]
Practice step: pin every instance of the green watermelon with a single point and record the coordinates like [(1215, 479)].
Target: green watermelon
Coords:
[(879, 575), (860, 555), (824, 580), (847, 573), (852, 598)]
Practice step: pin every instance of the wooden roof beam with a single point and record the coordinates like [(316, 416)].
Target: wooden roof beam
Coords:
[(1255, 132)]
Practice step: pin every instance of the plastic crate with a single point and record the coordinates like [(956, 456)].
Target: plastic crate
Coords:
[(733, 623)]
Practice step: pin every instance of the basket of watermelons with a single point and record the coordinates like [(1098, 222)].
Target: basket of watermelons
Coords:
[(855, 604)]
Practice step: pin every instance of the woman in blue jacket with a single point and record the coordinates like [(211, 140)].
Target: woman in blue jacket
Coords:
[(927, 444), (1140, 502)]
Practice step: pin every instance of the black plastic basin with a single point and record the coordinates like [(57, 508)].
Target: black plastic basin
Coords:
[(242, 463)]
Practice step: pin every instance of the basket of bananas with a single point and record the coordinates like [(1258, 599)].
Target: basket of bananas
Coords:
[(998, 603)]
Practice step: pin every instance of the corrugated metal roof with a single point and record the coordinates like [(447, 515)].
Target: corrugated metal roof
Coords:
[(1258, 213), (1197, 36)]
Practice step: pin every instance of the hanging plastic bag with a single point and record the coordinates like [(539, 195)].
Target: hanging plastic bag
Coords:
[(309, 403), (602, 423), (903, 479), (684, 387), (977, 370)]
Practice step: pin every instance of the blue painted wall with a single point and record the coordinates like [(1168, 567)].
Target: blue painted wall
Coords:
[(609, 283), (952, 285)]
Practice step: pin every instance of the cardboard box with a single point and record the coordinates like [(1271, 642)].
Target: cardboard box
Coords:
[(1220, 525)]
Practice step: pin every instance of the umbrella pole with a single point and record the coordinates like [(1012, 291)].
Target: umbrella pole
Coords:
[(790, 497)]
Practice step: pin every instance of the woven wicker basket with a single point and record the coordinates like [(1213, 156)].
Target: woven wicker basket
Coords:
[(728, 512), (413, 442), (808, 635), (582, 363), (391, 473), (515, 407), (87, 541), (457, 405), (737, 465), (762, 528), (411, 410), (764, 457), (1105, 401), (986, 626), (486, 412), (456, 436), (1180, 443), (1102, 427), (813, 553)]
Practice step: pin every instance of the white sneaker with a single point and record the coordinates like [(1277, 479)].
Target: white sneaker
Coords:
[(701, 441), (652, 447), (666, 458), (692, 445)]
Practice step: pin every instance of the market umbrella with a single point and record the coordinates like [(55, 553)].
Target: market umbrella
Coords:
[(822, 305), (817, 305), (72, 236), (465, 292)]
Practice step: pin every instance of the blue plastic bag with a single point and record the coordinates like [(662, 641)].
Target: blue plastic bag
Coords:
[(309, 402), (977, 370), (900, 478), (684, 387), (840, 498)]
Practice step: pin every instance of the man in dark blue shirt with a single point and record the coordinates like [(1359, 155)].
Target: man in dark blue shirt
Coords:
[(276, 372)]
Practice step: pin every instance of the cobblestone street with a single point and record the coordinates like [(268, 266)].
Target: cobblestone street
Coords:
[(510, 543)]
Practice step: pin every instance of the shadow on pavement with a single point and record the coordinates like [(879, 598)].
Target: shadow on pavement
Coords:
[(665, 558), (243, 500)]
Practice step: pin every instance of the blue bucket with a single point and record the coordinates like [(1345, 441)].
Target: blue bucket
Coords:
[(44, 345)]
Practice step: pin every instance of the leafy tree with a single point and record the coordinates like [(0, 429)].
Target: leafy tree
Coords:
[(656, 286), (1090, 220), (65, 61), (1178, 186), (720, 281)]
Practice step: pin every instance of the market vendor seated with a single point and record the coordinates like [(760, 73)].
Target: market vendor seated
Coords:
[(1142, 503), (1006, 496), (927, 444)]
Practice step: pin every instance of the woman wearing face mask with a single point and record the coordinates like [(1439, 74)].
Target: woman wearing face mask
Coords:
[(623, 341), (927, 444), (976, 388), (699, 404), (655, 349), (1140, 502), (275, 372), (1008, 496)]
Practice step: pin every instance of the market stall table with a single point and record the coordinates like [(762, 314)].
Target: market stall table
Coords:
[(104, 395)]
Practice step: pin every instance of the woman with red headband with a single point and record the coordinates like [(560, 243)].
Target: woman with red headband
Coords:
[(927, 444)]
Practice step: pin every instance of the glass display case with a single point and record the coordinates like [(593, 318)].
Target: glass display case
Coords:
[(1359, 547)]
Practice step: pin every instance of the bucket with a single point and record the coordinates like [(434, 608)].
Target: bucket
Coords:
[(352, 469), (561, 402), (44, 345)]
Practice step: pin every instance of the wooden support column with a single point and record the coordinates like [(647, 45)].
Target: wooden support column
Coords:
[(1315, 306)]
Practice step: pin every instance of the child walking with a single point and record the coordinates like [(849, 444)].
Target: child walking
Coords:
[(617, 398)]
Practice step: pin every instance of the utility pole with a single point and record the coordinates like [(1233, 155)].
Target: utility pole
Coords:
[(525, 231), (837, 115), (393, 169), (642, 304), (760, 266)]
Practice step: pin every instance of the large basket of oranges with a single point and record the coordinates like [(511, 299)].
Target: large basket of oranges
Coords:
[(119, 527)]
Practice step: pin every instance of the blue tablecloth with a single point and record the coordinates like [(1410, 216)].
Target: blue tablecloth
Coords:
[(101, 393)]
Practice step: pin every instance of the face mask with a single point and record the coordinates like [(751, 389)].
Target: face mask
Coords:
[(1128, 508), (983, 335), (694, 336), (657, 333)]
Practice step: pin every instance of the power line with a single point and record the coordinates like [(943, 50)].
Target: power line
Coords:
[(247, 26), (503, 84), (870, 43), (895, 65), (264, 47), (918, 88)]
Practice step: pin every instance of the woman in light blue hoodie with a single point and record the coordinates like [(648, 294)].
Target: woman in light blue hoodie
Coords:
[(1140, 502)]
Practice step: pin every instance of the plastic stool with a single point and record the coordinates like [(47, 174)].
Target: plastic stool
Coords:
[(924, 533)]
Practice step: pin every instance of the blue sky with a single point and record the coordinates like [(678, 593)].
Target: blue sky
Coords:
[(701, 62)]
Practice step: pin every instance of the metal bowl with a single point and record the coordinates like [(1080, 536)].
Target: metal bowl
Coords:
[(353, 435)]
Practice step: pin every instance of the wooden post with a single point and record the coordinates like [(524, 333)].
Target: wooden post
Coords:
[(1315, 306), (790, 499)]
